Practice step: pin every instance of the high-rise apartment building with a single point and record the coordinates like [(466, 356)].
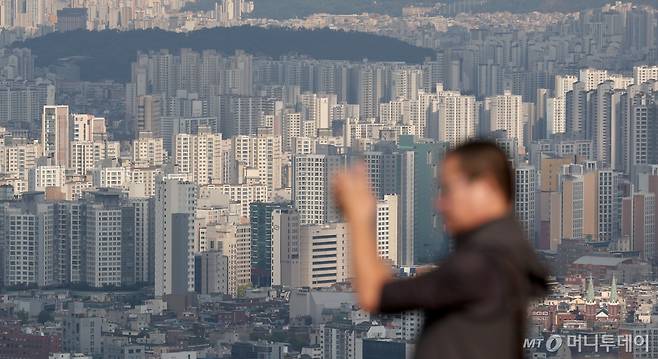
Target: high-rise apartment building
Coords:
[(387, 228), (603, 124), (576, 110), (234, 241), (103, 246), (175, 204), (211, 271), (285, 256), (455, 117), (637, 224), (82, 333), (147, 150), (311, 190), (263, 153), (525, 199), (262, 258), (506, 113), (55, 134), (642, 74), (556, 119), (592, 78), (199, 156)]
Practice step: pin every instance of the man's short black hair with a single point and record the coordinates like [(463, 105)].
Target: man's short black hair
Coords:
[(478, 158)]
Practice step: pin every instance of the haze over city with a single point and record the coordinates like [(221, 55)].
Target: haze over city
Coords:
[(166, 169)]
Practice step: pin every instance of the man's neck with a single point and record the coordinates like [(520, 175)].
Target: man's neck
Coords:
[(486, 218)]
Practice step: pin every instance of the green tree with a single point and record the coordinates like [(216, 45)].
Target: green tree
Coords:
[(45, 316), (242, 290), (22, 316)]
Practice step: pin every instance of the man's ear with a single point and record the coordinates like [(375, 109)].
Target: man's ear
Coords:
[(491, 183), (480, 189)]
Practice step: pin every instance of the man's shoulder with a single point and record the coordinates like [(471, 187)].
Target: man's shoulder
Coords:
[(502, 234)]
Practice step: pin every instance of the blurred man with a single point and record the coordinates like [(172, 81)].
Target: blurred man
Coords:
[(475, 301)]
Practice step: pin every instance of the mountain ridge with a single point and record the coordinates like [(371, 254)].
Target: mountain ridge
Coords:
[(107, 54)]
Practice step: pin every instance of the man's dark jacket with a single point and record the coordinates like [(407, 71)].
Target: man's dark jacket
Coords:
[(475, 302)]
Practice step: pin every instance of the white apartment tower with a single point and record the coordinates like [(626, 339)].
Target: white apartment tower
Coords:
[(235, 243), (200, 156), (556, 118), (387, 228), (262, 152), (602, 119), (455, 117), (291, 128), (148, 150), (20, 265), (406, 82), (316, 108), (43, 177), (28, 243), (642, 74), (175, 204), (593, 78), (506, 113), (564, 84), (311, 190), (245, 194), (87, 128), (103, 246), (55, 134)]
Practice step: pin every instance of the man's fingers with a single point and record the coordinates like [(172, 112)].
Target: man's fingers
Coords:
[(351, 182), (360, 176), (339, 182), (360, 169)]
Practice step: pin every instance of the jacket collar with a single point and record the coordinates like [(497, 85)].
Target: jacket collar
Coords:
[(485, 230)]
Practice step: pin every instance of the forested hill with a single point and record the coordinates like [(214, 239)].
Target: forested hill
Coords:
[(285, 9), (108, 54)]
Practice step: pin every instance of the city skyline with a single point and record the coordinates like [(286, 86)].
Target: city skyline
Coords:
[(185, 210)]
